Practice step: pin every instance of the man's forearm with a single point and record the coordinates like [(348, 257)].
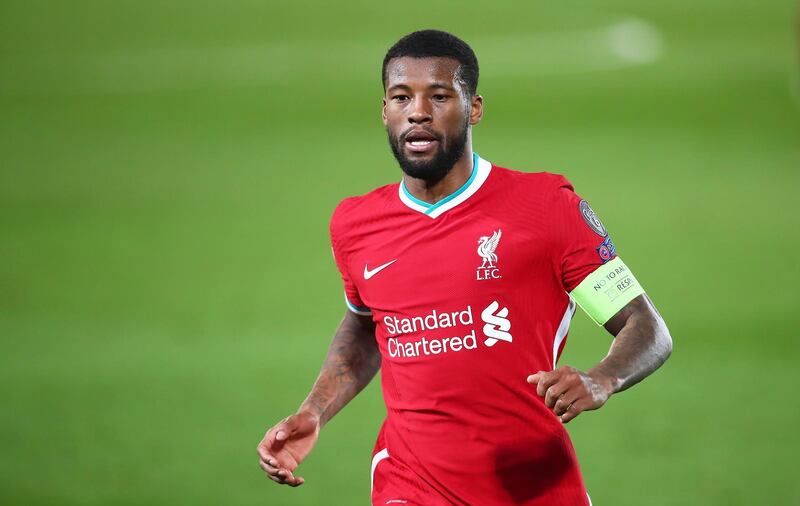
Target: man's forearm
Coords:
[(641, 345), (353, 360)]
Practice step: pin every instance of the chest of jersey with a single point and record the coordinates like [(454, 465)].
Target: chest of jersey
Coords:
[(421, 264), (455, 283)]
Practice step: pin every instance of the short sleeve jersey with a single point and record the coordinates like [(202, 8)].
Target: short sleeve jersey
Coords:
[(470, 295)]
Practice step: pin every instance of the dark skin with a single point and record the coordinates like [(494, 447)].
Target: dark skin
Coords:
[(422, 93), (425, 93), (353, 360), (641, 344)]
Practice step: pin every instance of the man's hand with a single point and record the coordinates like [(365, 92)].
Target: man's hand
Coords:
[(641, 344), (286, 445), (353, 360), (569, 392)]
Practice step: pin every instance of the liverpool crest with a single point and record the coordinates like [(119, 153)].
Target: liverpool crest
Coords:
[(486, 250)]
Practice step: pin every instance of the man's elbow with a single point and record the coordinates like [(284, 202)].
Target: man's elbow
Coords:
[(664, 340)]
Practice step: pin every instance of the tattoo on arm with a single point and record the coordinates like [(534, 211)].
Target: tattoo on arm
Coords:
[(352, 361)]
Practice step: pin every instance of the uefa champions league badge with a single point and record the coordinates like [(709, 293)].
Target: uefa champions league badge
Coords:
[(606, 249), (591, 219)]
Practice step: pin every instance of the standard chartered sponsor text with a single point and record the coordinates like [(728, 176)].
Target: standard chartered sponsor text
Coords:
[(429, 345), (425, 346), (431, 321)]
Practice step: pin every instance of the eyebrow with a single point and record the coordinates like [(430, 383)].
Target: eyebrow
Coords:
[(431, 86), (442, 85)]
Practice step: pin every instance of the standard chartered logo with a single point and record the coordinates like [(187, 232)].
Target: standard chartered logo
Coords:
[(422, 343), (497, 325)]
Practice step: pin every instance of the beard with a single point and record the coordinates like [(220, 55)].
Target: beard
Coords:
[(435, 169)]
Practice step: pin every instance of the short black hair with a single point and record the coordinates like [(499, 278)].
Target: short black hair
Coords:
[(431, 43)]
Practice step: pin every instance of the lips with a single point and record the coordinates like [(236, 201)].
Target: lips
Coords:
[(420, 141)]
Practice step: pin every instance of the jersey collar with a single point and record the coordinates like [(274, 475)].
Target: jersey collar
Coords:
[(480, 171)]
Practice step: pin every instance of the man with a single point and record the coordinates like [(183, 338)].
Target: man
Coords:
[(460, 283)]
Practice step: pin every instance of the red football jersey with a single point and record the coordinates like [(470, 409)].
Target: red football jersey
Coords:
[(470, 296)]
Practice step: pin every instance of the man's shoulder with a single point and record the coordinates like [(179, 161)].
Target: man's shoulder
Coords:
[(526, 181), (355, 208)]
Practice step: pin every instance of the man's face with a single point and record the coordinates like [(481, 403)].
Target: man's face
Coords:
[(427, 113)]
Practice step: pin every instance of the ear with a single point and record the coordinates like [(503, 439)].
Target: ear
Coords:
[(476, 110), (383, 112)]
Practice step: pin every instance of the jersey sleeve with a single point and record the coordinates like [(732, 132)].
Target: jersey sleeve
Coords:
[(351, 296), (586, 258)]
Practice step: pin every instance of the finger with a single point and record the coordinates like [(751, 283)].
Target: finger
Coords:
[(574, 410), (289, 478), (554, 393), (280, 477), (281, 427), (564, 403), (287, 428), (272, 476), (546, 380), (286, 474), (534, 378), (271, 460), (273, 433), (264, 454), (269, 469), (279, 480), (269, 437)]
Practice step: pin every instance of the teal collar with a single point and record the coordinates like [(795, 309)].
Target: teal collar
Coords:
[(480, 171)]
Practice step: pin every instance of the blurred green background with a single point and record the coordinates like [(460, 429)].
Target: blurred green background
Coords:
[(167, 292)]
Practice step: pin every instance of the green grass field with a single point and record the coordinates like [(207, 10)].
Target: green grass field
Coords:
[(168, 170)]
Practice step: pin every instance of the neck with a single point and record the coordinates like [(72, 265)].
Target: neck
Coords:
[(455, 179)]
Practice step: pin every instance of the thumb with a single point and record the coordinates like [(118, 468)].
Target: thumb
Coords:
[(286, 428)]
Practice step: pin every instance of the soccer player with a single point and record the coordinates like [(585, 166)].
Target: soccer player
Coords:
[(460, 283)]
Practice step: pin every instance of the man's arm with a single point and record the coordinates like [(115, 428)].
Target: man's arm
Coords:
[(642, 343), (352, 361)]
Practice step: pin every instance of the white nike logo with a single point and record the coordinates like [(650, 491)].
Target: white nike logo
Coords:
[(369, 273)]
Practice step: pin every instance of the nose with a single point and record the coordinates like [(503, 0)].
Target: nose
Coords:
[(420, 113)]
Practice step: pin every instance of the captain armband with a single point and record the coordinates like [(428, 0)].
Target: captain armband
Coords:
[(607, 290)]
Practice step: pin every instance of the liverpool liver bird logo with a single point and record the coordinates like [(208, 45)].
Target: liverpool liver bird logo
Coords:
[(486, 247)]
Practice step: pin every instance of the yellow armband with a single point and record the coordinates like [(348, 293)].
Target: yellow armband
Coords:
[(607, 290)]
